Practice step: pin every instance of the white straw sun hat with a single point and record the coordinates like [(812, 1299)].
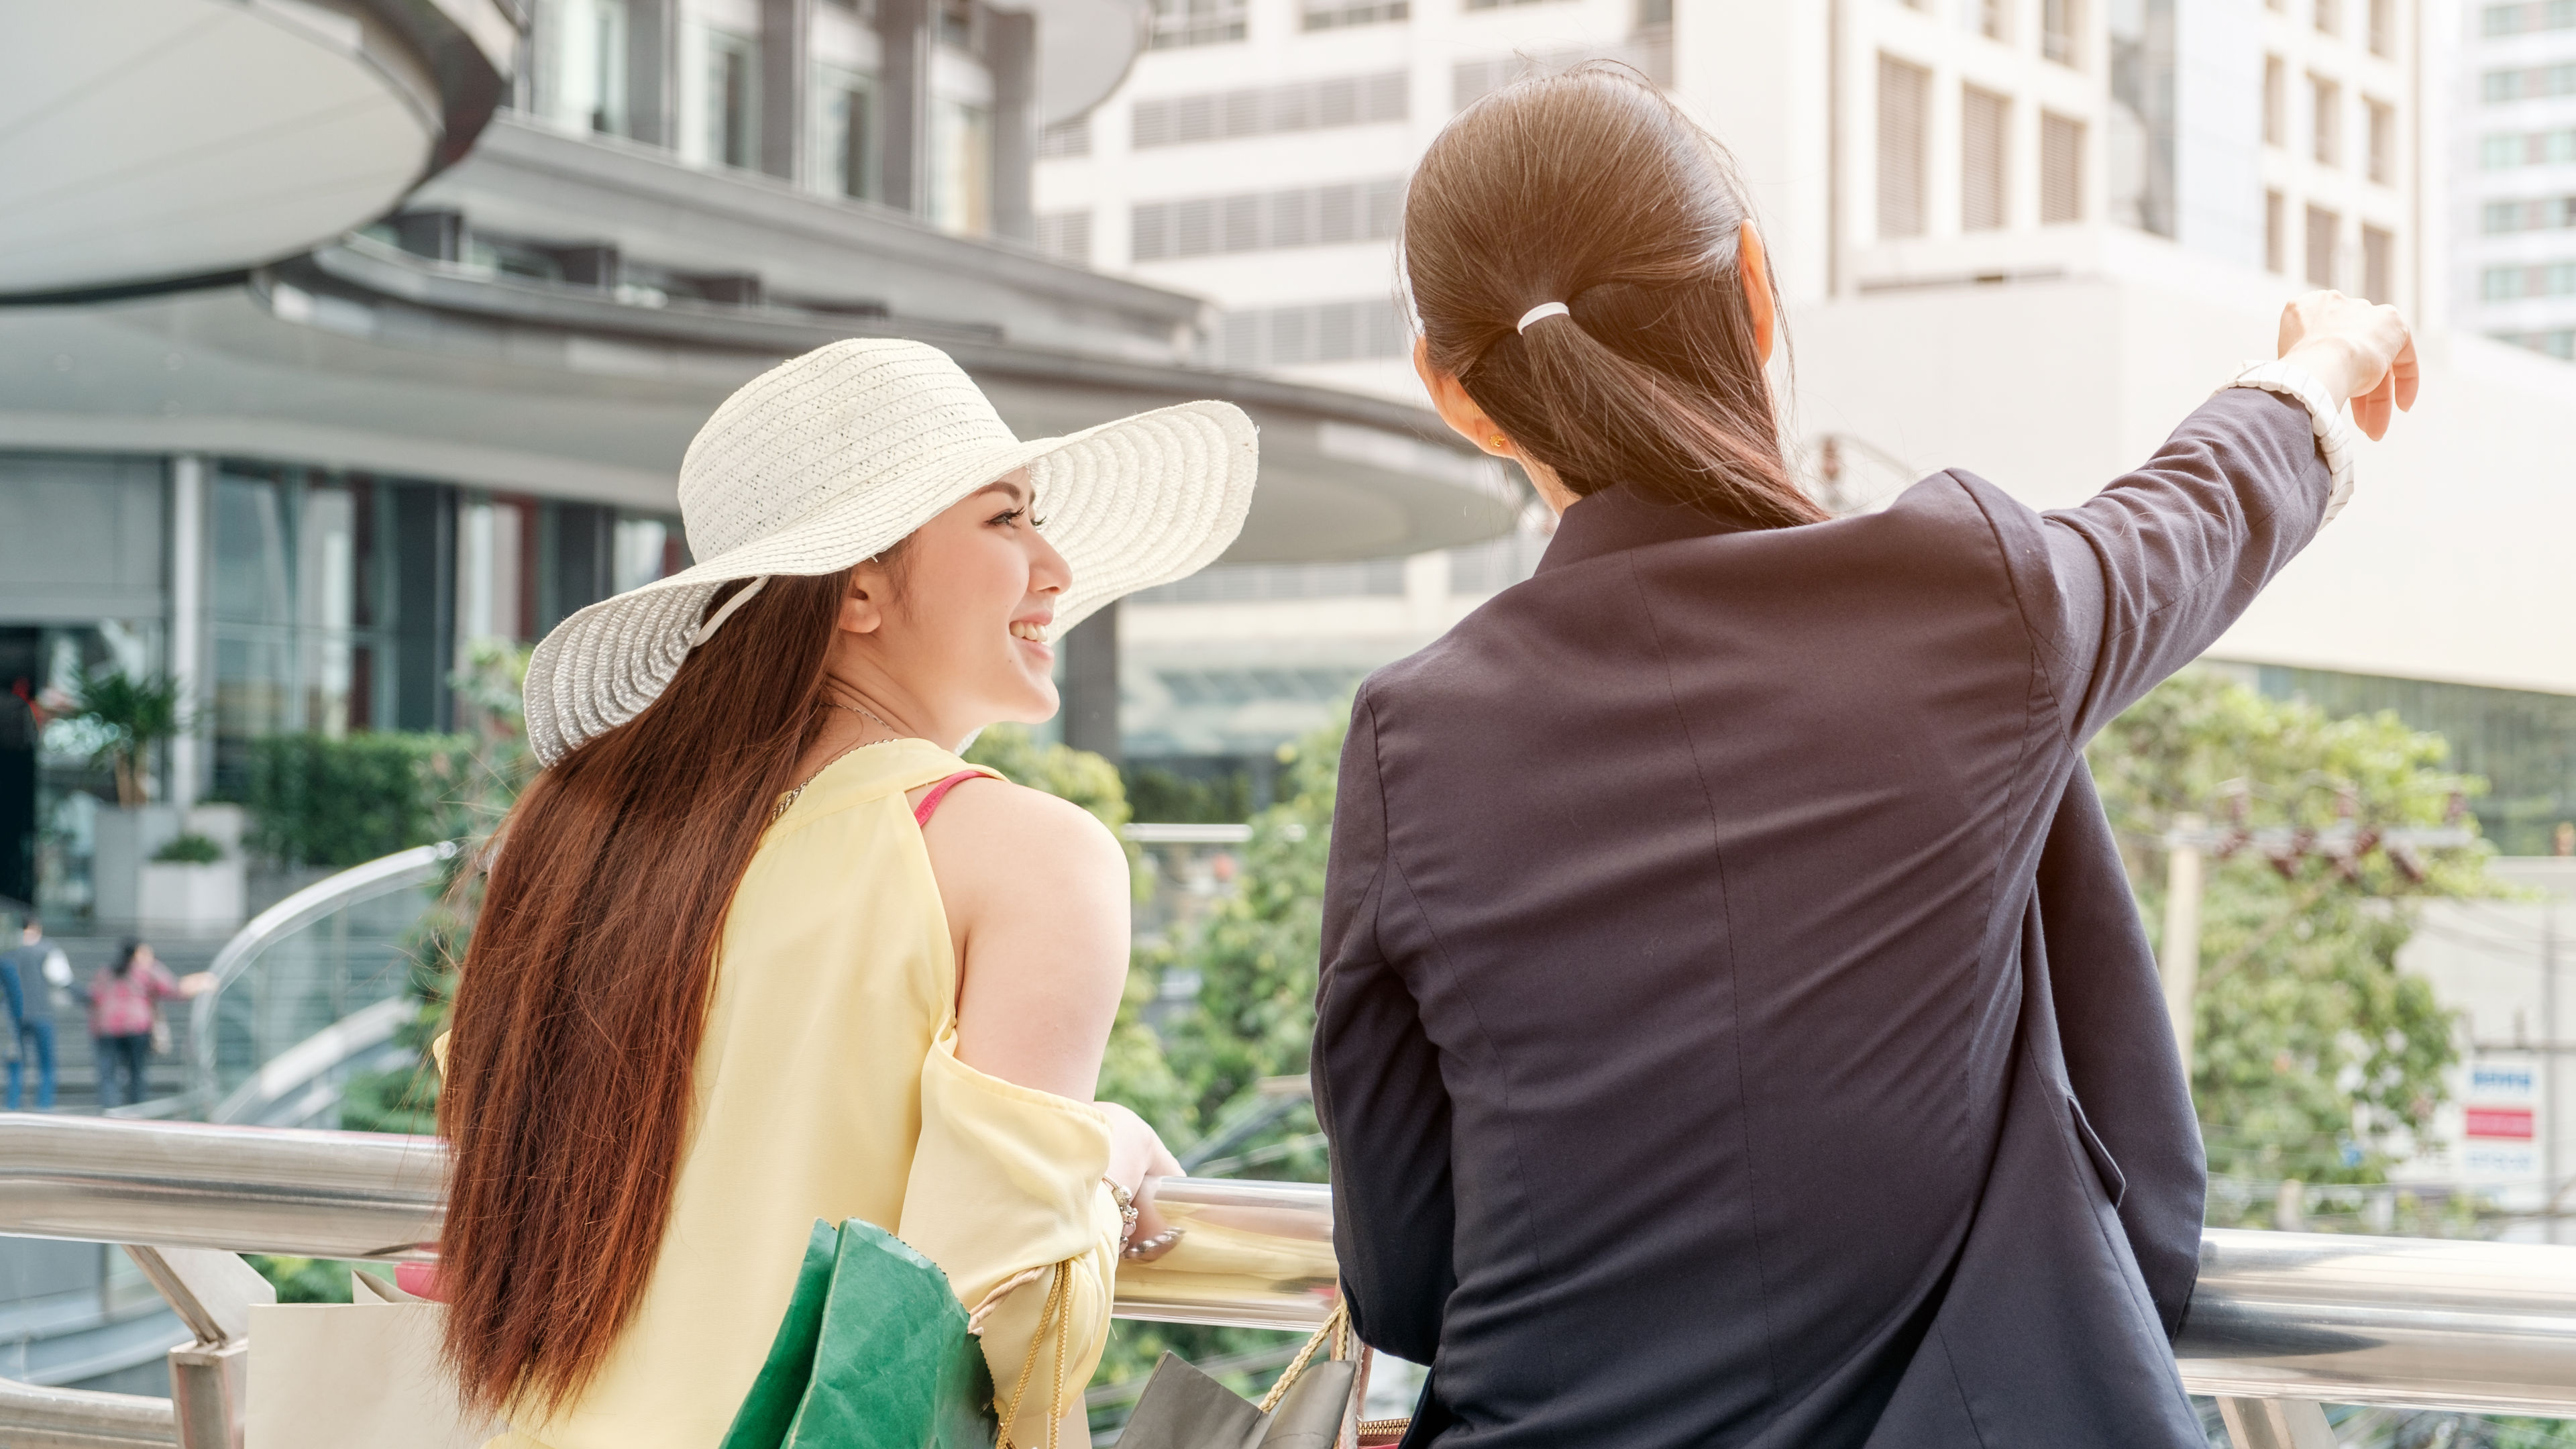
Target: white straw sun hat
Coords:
[(832, 457)]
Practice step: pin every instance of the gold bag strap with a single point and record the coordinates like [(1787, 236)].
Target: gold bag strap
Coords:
[(1059, 1311), (1337, 1328)]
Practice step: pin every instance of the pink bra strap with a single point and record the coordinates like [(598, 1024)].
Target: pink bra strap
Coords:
[(921, 813)]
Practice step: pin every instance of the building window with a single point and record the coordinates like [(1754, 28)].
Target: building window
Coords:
[(2537, 148), (2329, 17), (2061, 168), (732, 100), (1904, 92), (2325, 122), (2537, 83), (2059, 21), (2547, 215), (2378, 264), (1263, 221), (645, 547), (1066, 138), (2323, 227), (1270, 110), (1316, 332), (1992, 18), (961, 168), (846, 101), (2383, 27), (1196, 22), (1066, 236), (1985, 123), (2275, 246), (2515, 19), (2560, 343), (590, 77), (959, 26), (2383, 141), (1342, 14), (2276, 102), (2509, 284)]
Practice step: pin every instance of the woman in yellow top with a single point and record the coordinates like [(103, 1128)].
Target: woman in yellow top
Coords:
[(732, 974)]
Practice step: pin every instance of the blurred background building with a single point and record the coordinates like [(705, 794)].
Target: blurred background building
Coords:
[(302, 459), (2017, 236)]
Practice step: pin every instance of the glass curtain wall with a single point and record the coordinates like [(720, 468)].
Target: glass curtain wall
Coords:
[(303, 610)]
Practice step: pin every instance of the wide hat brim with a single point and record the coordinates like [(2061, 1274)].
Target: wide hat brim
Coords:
[(1130, 504)]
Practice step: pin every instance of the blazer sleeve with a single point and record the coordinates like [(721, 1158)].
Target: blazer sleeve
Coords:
[(1378, 1089), (2131, 585)]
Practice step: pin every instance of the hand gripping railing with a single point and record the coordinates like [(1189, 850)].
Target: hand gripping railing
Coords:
[(2281, 1322)]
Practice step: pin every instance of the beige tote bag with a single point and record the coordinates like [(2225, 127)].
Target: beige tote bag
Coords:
[(332, 1375)]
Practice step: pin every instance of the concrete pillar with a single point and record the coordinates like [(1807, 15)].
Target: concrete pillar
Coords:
[(786, 79), (188, 752), (1011, 50), (905, 31), (1091, 685)]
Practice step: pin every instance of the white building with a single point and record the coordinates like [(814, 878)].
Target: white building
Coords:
[(2511, 207), (2018, 236)]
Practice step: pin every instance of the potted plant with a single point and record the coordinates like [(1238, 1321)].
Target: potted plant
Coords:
[(195, 881), (128, 716)]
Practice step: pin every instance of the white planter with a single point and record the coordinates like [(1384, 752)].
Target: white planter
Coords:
[(131, 890), (122, 844), (189, 899)]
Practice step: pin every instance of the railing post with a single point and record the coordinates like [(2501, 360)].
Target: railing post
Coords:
[(2276, 1423), (212, 1292)]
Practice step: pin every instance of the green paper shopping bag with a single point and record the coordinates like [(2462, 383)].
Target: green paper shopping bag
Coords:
[(873, 1353)]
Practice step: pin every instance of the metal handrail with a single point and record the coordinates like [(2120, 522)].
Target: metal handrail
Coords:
[(2405, 1322), (379, 877)]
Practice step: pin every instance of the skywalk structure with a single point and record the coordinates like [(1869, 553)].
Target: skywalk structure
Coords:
[(339, 336)]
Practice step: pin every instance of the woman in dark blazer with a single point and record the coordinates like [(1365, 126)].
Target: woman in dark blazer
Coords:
[(1734, 1026)]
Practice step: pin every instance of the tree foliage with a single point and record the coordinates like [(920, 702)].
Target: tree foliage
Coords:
[(130, 715), (2316, 1058)]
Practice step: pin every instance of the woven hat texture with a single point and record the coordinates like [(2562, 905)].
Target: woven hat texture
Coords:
[(832, 457)]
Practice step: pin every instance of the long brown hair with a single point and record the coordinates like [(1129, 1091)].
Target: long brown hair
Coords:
[(1591, 189), (583, 997)]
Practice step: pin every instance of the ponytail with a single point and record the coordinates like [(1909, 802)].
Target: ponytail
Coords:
[(1591, 189)]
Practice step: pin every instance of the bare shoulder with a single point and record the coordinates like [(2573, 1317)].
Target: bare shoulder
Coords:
[(989, 830)]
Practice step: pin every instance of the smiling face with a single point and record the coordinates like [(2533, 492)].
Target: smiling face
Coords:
[(950, 633)]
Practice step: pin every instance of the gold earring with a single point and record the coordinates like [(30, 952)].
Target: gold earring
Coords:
[(1501, 442)]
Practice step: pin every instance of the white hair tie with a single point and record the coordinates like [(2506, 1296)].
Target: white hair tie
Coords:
[(707, 630), (1544, 309)]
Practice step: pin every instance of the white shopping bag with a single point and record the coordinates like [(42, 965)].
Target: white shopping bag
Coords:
[(335, 1376)]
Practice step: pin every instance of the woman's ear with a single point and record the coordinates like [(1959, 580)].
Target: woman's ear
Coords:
[(1449, 398), (863, 605), (1754, 265)]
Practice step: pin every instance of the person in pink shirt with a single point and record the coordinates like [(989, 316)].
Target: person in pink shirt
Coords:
[(123, 1000)]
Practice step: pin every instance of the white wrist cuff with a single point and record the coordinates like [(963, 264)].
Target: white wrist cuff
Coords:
[(2325, 412)]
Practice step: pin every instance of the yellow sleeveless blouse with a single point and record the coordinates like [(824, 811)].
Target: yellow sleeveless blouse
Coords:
[(828, 1087)]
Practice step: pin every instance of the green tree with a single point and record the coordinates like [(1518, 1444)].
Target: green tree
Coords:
[(2316, 1058)]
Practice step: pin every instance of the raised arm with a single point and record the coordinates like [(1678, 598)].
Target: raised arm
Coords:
[(2126, 588), (1378, 1090)]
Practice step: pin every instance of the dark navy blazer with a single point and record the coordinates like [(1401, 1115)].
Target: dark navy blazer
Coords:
[(1735, 1028)]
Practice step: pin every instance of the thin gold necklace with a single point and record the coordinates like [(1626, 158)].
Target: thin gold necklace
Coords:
[(789, 799)]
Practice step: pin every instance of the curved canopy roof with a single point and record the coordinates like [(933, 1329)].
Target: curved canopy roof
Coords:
[(144, 142)]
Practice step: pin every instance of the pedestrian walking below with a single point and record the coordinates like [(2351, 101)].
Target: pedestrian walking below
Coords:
[(29, 973), (124, 1000)]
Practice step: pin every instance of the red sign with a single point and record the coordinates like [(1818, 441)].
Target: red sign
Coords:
[(2513, 1122)]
